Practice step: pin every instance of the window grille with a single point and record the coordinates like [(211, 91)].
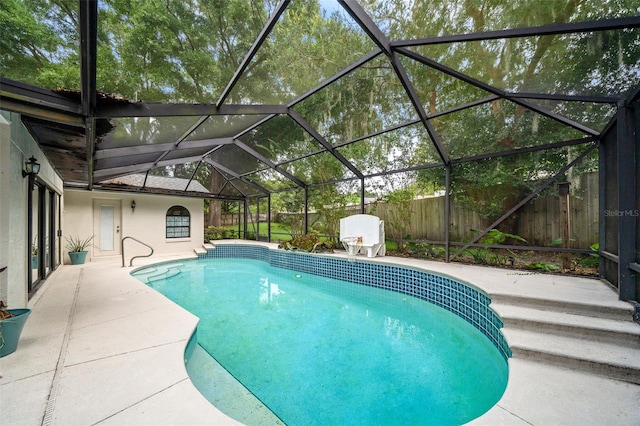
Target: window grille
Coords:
[(178, 222)]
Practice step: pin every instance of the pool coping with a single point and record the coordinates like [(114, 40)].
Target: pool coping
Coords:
[(68, 369)]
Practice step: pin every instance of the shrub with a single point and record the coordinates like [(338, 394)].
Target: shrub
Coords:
[(480, 255), (221, 233), (547, 267), (308, 243), (425, 250), (593, 259)]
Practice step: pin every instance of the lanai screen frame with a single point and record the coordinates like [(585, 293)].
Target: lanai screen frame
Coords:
[(86, 114)]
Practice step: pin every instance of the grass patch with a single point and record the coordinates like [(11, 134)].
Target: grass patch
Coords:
[(279, 231)]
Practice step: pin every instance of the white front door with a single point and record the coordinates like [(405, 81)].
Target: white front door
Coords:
[(106, 220)]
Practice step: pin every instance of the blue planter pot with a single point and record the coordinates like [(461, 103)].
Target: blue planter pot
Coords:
[(77, 257), (10, 329)]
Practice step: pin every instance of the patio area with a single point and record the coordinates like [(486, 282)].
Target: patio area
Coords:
[(101, 347)]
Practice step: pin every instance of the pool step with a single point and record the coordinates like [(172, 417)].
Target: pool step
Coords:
[(612, 310), (171, 272), (620, 332), (605, 359), (144, 274), (156, 274), (599, 339)]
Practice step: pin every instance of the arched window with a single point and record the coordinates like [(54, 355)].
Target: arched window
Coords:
[(178, 222)]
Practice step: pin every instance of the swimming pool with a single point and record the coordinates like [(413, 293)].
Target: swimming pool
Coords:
[(317, 350)]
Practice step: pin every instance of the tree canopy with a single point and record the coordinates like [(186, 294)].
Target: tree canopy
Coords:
[(365, 123)]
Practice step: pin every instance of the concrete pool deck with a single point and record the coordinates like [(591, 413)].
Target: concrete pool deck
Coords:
[(100, 347)]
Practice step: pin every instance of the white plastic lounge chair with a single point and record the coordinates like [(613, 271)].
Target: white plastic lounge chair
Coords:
[(367, 231)]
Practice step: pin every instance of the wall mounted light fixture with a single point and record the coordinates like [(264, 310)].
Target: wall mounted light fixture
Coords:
[(133, 205), (31, 167)]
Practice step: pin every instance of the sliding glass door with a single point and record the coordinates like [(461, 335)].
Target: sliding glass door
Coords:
[(44, 240)]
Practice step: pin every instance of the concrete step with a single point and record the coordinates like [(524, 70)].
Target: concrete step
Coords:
[(614, 310), (625, 333), (209, 246), (605, 359)]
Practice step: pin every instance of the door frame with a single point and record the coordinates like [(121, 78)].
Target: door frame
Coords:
[(116, 227)]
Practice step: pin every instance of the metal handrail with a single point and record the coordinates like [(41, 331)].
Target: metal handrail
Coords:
[(134, 257)]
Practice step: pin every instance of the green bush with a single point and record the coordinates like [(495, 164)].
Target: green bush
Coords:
[(425, 250), (547, 267), (221, 233), (593, 259), (480, 255), (486, 256), (391, 246), (308, 243), (589, 262), (495, 236)]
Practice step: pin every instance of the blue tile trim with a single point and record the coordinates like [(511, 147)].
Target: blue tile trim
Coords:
[(467, 302)]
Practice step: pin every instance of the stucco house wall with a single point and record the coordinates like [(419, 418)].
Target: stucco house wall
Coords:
[(147, 222), (78, 215), (16, 146)]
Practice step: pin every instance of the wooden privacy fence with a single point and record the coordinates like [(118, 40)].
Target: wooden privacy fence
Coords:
[(232, 219), (538, 221)]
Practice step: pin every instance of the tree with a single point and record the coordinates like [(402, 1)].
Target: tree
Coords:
[(39, 43), (548, 64), (291, 205), (399, 203), (188, 51)]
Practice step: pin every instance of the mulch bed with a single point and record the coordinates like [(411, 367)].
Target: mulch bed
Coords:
[(531, 261)]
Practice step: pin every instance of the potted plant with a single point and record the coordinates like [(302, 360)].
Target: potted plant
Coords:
[(78, 249), (34, 255), (11, 323)]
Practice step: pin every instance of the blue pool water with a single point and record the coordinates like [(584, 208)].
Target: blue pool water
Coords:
[(317, 350)]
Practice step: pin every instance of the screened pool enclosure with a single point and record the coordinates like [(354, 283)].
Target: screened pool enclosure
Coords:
[(448, 119)]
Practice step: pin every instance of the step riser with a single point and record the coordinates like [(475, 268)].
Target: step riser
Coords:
[(594, 335), (625, 374), (603, 312)]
